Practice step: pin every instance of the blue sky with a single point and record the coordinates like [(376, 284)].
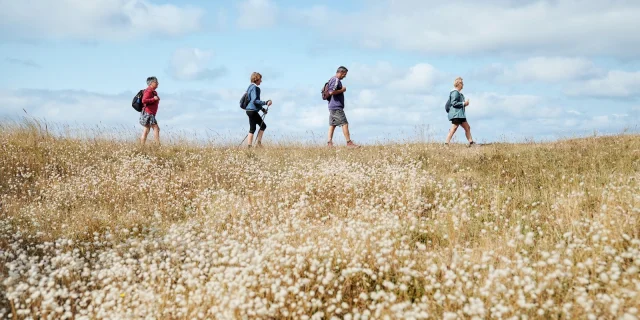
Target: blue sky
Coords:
[(533, 69)]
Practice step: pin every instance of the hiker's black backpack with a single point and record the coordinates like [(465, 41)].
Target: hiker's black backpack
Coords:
[(137, 101), (244, 101)]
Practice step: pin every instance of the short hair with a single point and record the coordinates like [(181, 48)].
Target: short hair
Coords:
[(457, 82), (255, 77), (151, 80), (342, 69)]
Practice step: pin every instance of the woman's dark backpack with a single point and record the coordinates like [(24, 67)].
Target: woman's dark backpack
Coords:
[(244, 101), (137, 101), (447, 106)]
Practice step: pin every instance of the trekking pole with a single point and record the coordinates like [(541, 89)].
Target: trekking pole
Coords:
[(261, 122)]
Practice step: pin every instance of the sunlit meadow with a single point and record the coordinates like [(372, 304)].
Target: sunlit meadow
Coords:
[(103, 228)]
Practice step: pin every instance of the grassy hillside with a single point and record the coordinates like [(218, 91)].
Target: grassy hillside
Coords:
[(100, 229)]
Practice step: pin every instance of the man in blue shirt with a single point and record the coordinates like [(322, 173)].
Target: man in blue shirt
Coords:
[(337, 117)]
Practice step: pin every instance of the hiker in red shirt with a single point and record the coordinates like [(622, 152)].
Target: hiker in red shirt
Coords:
[(150, 101)]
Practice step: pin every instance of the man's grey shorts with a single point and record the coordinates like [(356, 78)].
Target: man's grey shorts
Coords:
[(337, 118)]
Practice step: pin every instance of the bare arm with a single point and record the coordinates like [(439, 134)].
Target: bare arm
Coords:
[(338, 91)]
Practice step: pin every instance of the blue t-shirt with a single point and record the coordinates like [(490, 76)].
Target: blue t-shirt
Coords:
[(336, 101)]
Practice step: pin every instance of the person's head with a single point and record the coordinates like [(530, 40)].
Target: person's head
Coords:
[(341, 73), (458, 83), (256, 78), (152, 82)]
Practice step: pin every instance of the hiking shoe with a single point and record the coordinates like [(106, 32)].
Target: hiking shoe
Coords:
[(471, 144), (329, 143), (259, 145), (350, 144)]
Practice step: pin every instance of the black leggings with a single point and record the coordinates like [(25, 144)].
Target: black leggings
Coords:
[(255, 119)]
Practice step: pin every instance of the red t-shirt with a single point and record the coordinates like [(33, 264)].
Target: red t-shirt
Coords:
[(150, 105)]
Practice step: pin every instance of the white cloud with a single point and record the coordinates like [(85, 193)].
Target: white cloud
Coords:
[(24, 62), (367, 97), (615, 84), (317, 15), (487, 105), (539, 27), (578, 76), (255, 14), (550, 128), (418, 78), (191, 64), (611, 123), (65, 106), (552, 69), (96, 19), (373, 75)]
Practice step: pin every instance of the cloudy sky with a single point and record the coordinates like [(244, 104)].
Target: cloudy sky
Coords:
[(533, 69)]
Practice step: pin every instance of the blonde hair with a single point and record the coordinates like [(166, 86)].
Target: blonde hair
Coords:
[(457, 82), (255, 77)]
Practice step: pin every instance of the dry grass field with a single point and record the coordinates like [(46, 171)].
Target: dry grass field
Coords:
[(99, 229)]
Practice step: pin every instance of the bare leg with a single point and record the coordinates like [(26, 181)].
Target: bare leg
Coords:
[(467, 131), (345, 131), (259, 137), (453, 129), (156, 133), (331, 129), (249, 139), (145, 133)]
